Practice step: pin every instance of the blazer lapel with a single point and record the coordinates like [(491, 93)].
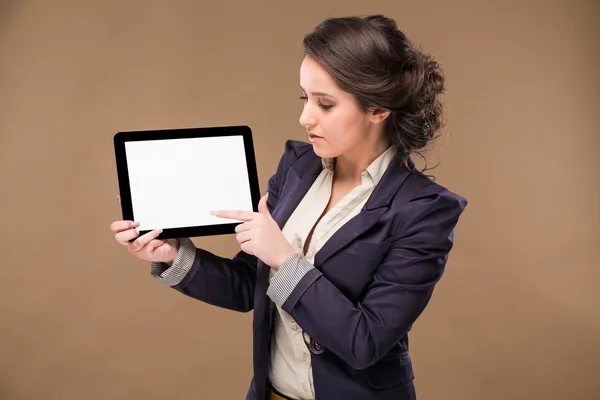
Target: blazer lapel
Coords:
[(378, 203), (300, 178)]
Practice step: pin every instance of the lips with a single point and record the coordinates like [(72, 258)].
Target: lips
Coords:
[(314, 138)]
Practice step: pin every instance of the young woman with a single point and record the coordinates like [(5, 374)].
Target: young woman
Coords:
[(351, 238)]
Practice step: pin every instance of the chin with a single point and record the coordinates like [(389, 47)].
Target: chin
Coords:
[(323, 149), (323, 153), (319, 150)]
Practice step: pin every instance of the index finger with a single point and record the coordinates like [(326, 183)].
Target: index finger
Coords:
[(241, 215)]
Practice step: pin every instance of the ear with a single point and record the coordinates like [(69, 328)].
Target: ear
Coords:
[(377, 115)]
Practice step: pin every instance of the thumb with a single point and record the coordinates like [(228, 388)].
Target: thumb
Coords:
[(262, 205)]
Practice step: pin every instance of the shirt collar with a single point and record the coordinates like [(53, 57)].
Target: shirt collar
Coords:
[(375, 170)]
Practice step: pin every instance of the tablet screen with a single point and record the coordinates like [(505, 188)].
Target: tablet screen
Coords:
[(174, 183), (178, 182)]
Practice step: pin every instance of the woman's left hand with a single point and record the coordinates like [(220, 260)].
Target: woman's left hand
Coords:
[(260, 235)]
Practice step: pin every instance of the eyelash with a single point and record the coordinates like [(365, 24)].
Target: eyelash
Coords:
[(323, 106)]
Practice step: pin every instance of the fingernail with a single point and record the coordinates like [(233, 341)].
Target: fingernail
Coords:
[(135, 224), (214, 213), (159, 230)]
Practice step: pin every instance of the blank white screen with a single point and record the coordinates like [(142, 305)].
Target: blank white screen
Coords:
[(176, 183)]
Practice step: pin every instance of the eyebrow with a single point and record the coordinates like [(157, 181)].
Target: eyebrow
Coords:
[(318, 93)]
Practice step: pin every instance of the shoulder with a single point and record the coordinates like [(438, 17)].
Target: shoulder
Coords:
[(297, 151), (294, 149), (430, 193), (293, 152), (429, 206)]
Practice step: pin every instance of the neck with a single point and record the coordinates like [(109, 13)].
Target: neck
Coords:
[(349, 166)]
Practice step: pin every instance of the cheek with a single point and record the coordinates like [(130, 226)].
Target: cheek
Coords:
[(346, 129), (340, 122), (343, 130)]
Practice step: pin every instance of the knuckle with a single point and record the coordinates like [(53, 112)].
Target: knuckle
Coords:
[(138, 244)]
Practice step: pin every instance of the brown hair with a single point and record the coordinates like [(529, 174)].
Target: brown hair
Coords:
[(372, 59)]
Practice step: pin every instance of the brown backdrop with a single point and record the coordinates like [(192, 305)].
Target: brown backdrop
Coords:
[(517, 313)]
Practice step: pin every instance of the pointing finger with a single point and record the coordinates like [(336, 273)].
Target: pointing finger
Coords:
[(235, 214)]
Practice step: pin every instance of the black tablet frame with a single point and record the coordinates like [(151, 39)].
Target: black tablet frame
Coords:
[(120, 138)]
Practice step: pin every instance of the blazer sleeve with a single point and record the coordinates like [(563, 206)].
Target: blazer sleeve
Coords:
[(223, 282), (361, 334)]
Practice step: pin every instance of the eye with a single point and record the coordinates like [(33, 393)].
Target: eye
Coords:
[(323, 106)]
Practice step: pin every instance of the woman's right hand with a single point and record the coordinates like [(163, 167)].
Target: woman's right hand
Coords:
[(145, 247)]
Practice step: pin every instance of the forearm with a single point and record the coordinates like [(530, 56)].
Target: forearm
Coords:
[(223, 282), (360, 334), (363, 333)]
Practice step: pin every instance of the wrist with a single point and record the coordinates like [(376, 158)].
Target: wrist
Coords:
[(176, 244), (284, 257)]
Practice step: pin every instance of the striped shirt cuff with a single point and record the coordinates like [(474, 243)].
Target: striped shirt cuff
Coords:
[(287, 278), (172, 275)]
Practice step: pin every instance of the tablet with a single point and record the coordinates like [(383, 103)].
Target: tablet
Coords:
[(172, 179)]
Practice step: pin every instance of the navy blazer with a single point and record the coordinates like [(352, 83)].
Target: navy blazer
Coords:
[(371, 280)]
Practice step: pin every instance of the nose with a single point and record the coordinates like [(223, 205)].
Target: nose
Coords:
[(307, 119)]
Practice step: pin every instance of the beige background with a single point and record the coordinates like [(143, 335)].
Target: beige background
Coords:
[(517, 315)]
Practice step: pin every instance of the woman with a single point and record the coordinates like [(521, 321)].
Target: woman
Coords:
[(350, 239)]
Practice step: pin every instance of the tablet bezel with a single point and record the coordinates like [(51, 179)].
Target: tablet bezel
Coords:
[(120, 138)]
